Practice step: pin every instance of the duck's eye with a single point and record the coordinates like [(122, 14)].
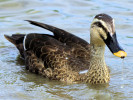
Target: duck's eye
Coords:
[(99, 24)]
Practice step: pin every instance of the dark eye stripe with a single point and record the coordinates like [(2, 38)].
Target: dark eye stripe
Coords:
[(99, 24)]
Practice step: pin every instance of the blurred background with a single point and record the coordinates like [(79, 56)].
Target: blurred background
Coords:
[(74, 16)]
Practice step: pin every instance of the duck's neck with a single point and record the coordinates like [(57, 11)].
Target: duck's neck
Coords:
[(98, 72)]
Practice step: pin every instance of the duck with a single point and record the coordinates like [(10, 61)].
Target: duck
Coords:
[(65, 57)]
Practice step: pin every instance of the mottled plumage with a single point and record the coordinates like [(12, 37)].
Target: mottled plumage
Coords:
[(63, 56)]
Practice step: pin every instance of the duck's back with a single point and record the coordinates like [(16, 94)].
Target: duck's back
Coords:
[(57, 57)]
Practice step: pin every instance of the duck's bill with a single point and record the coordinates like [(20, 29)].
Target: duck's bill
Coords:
[(114, 47), (121, 54)]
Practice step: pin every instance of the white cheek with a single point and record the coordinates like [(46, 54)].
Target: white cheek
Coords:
[(95, 36)]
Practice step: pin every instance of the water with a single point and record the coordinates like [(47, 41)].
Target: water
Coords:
[(74, 16), (122, 74)]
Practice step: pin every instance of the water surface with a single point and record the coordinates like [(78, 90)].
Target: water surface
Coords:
[(75, 16)]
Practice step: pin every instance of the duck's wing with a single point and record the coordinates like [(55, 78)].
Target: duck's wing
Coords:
[(64, 36), (43, 53), (46, 55)]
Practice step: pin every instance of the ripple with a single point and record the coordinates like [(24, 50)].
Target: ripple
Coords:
[(74, 16)]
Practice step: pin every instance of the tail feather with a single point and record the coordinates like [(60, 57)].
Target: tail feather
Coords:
[(17, 40), (11, 39)]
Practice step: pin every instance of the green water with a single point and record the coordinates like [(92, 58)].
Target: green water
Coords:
[(75, 16)]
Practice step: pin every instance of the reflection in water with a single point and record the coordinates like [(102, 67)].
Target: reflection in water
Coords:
[(74, 16), (98, 87), (122, 74), (20, 61)]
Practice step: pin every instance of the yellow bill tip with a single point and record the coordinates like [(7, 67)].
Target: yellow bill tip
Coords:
[(121, 54)]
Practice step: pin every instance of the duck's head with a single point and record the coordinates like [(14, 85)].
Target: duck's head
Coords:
[(102, 32)]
